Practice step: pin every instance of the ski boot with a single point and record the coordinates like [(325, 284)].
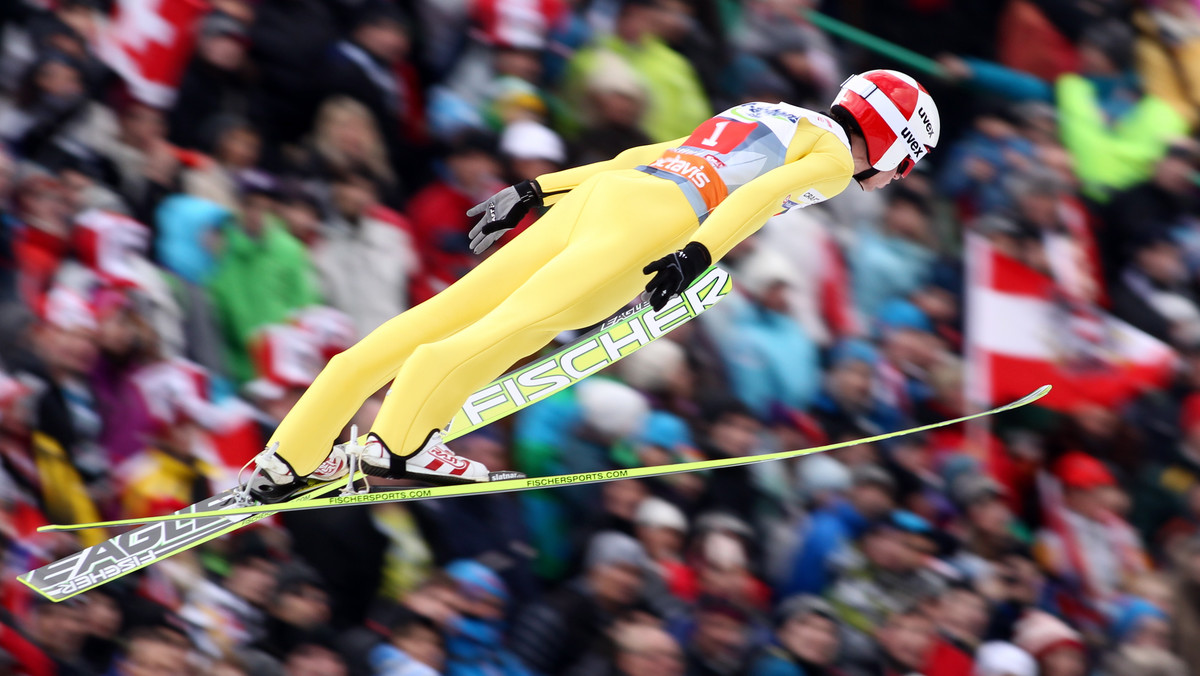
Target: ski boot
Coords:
[(435, 463), (274, 481)]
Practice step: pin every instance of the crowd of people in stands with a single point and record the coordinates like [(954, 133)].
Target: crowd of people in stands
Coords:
[(176, 269)]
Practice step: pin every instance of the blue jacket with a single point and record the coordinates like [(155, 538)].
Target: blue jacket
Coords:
[(767, 356), (185, 223), (827, 531), (886, 267)]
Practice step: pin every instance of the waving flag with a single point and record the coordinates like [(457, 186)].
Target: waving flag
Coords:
[(1023, 331), (148, 43)]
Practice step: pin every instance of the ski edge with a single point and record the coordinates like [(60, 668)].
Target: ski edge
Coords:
[(533, 483)]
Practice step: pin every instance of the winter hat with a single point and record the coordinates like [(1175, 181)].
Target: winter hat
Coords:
[(853, 349), (475, 579), (998, 658), (610, 548), (762, 270), (969, 489), (1080, 470), (611, 74), (824, 474), (1130, 617), (221, 24), (899, 313), (651, 368), (801, 606), (615, 410), (666, 431), (658, 513), (724, 551), (1040, 633), (873, 475), (528, 140)]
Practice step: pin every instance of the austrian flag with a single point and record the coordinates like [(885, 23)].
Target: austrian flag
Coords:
[(1022, 332)]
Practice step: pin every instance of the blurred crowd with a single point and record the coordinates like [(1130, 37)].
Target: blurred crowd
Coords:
[(177, 265)]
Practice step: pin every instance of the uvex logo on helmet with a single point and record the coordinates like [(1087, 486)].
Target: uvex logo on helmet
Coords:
[(898, 118)]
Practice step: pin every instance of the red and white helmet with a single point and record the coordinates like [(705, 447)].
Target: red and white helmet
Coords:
[(898, 118)]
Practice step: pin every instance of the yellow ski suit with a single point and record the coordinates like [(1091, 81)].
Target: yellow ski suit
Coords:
[(578, 264)]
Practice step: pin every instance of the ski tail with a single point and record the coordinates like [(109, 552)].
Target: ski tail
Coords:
[(530, 483)]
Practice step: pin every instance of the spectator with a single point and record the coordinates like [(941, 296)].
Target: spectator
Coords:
[(470, 172), (298, 609), (899, 255), (154, 650), (475, 643), (1162, 203), (314, 659), (229, 614), (233, 147), (646, 650), (146, 164), (1114, 132), (42, 233), (360, 230), (1166, 487), (216, 82), (988, 523), (806, 640), (676, 100), (998, 658), (835, 526), (975, 171), (263, 275), (1165, 50), (557, 631), (905, 640), (962, 618), (731, 431), (51, 109), (346, 138), (1058, 649), (720, 640), (413, 647), (769, 359), (661, 528), (286, 38), (882, 577), (1153, 293), (1092, 549), (1185, 611), (371, 66), (615, 101)]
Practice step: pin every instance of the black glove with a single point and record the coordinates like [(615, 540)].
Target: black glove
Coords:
[(502, 212), (675, 272)]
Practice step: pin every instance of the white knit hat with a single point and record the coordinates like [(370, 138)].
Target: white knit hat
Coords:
[(658, 513), (613, 409)]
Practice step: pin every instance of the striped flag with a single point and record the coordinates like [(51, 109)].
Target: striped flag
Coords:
[(1023, 331)]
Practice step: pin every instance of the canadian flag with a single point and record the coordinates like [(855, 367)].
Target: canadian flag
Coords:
[(148, 43), (1023, 331)]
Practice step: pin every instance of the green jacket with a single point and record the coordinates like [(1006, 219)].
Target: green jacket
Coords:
[(258, 282), (676, 103), (1113, 157)]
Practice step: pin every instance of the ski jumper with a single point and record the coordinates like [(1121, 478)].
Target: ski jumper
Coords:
[(574, 267)]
